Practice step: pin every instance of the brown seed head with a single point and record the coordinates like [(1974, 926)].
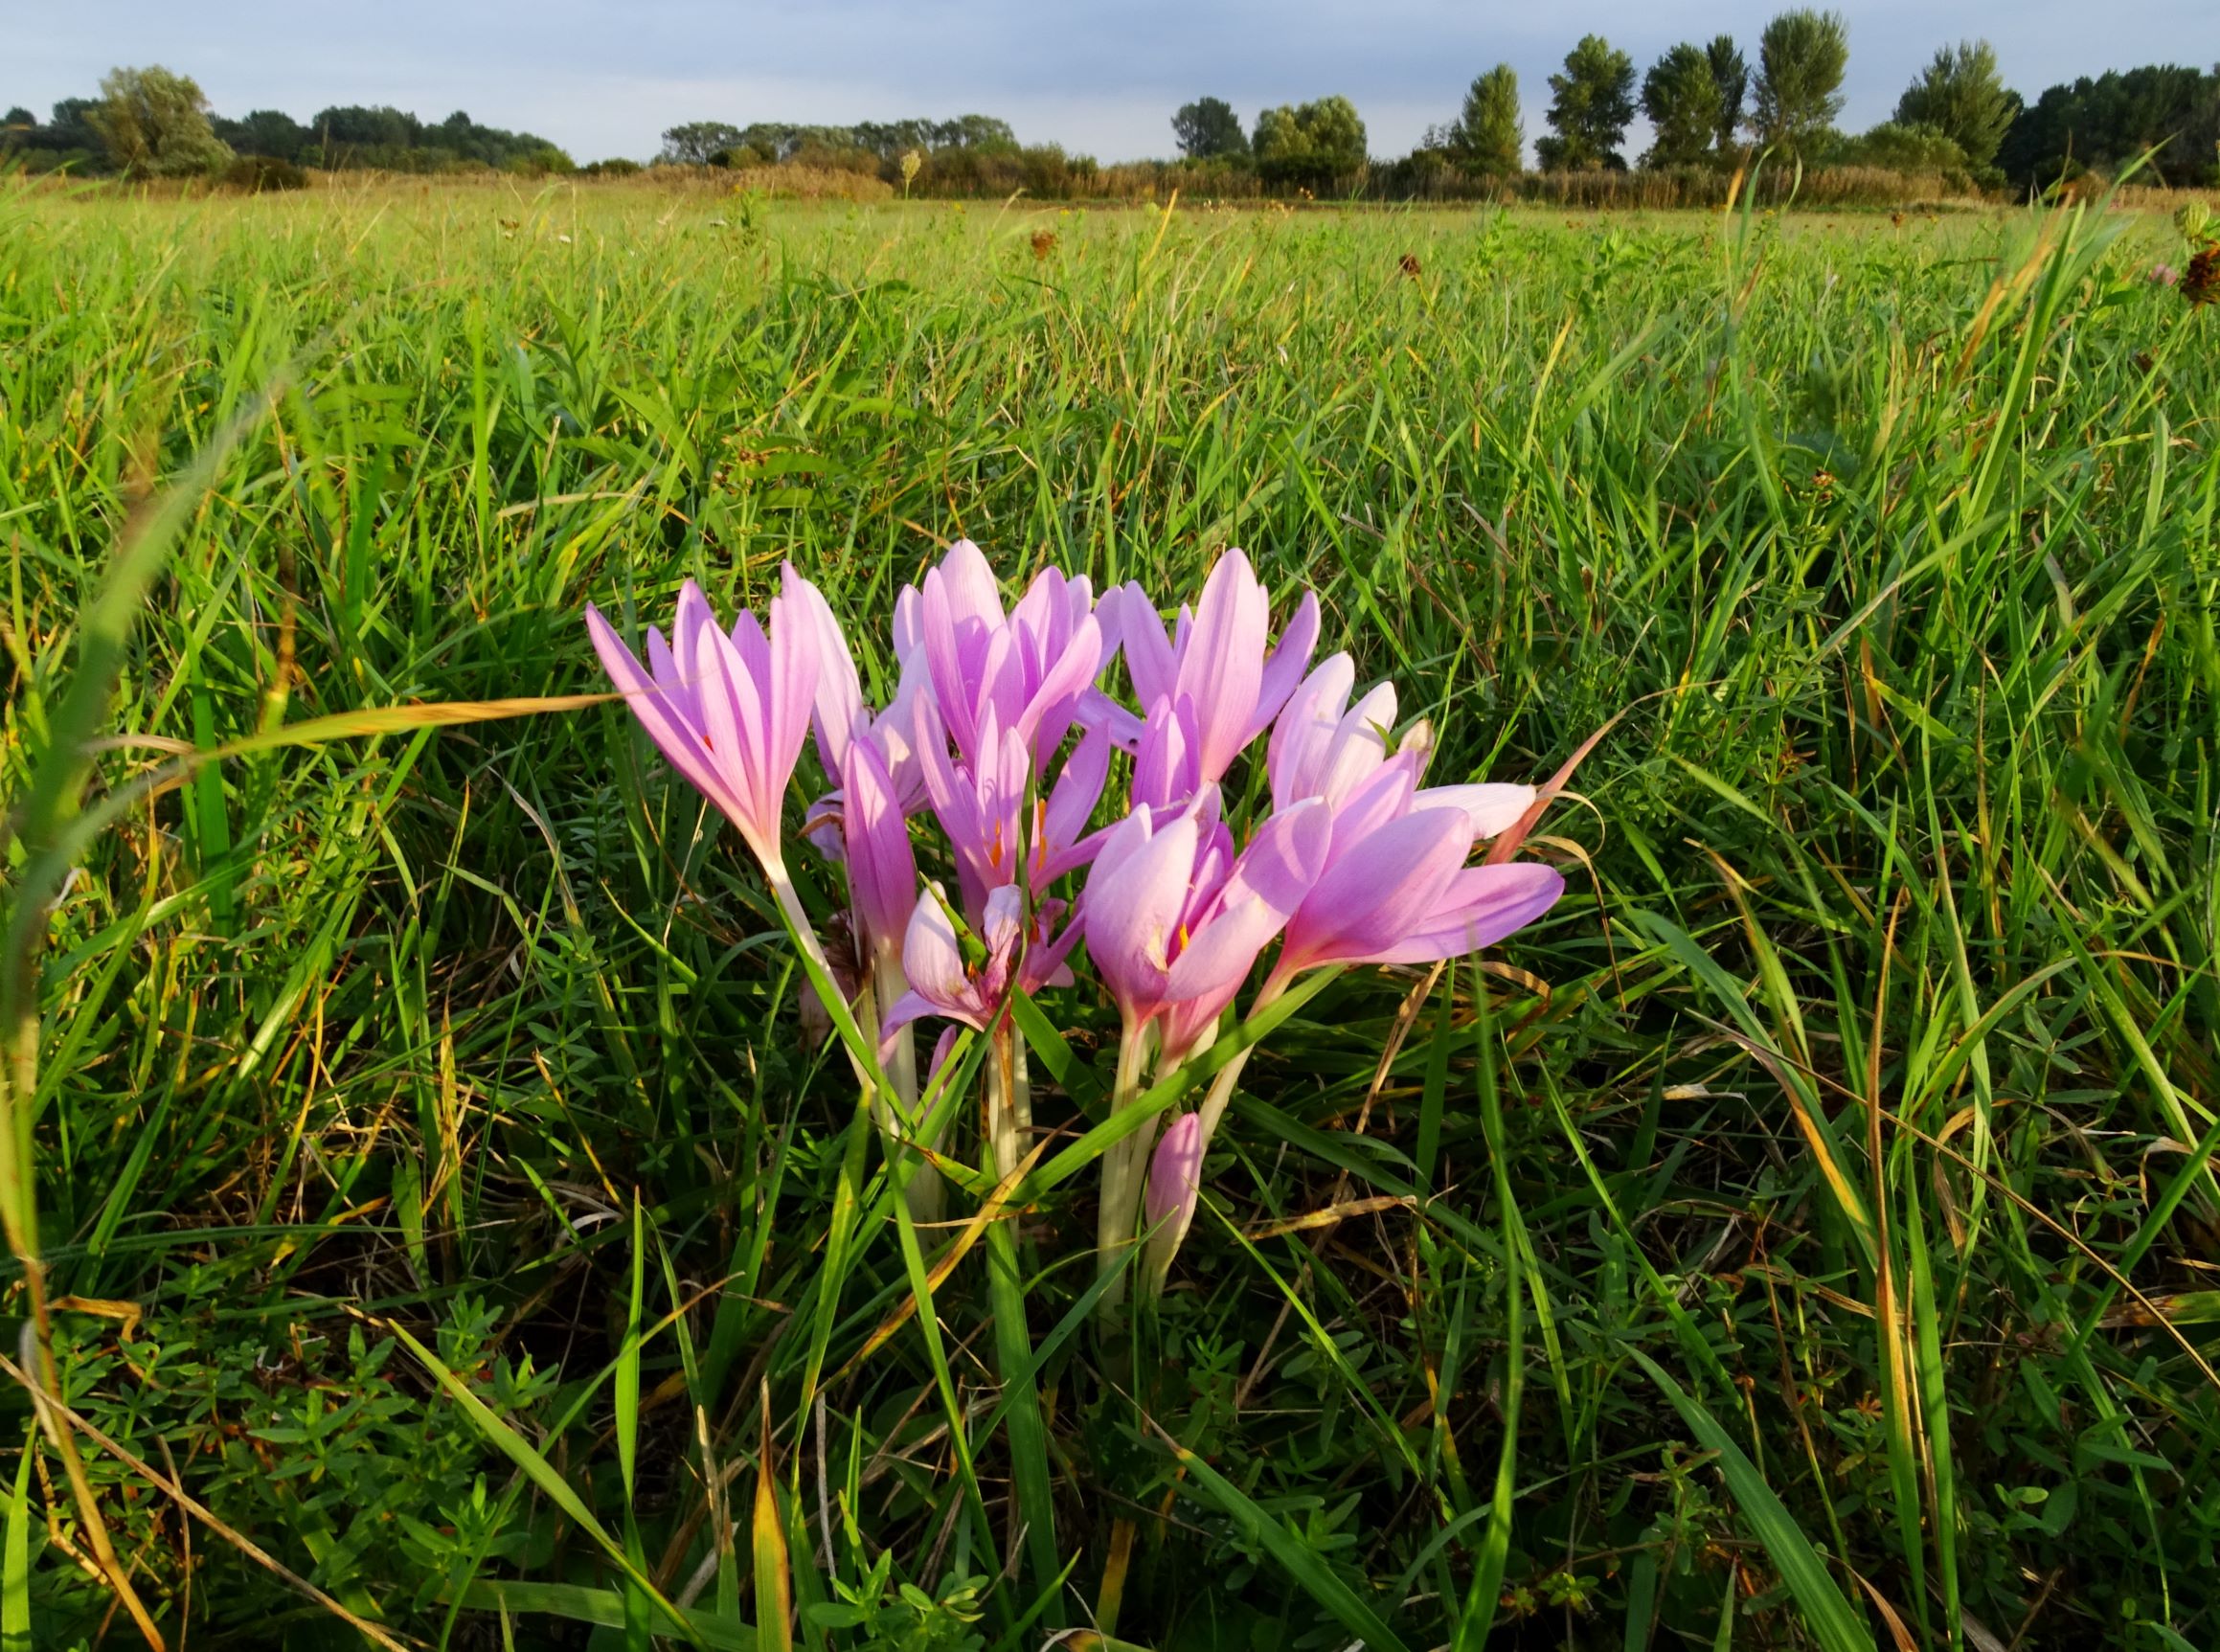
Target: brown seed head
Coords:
[(2201, 281), (1407, 263), (1044, 243)]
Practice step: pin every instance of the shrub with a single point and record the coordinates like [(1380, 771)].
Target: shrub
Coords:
[(795, 183), (539, 161), (616, 166), (254, 174)]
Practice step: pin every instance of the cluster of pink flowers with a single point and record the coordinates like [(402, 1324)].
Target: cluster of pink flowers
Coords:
[(1003, 727)]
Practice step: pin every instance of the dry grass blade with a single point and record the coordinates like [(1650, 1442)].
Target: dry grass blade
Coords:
[(1332, 1215)]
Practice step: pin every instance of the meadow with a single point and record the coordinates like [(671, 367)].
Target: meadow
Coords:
[(450, 1232)]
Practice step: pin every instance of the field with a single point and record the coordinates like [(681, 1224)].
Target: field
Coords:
[(1804, 1237)]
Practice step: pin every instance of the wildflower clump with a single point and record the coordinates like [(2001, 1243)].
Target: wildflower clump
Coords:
[(1169, 894)]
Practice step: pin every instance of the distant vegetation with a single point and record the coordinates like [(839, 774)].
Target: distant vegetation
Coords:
[(1958, 130), (152, 122)]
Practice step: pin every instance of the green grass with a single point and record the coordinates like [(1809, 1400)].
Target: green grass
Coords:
[(1806, 1241)]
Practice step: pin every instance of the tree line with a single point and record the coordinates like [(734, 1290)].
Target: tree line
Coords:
[(154, 122), (1708, 106)]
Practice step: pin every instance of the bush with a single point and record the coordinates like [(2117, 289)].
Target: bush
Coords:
[(793, 183), (540, 163), (254, 174), (1902, 147), (616, 166)]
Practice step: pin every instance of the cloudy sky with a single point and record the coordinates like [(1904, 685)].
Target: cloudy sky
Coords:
[(605, 76)]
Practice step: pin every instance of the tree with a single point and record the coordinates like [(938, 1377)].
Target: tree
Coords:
[(697, 142), (1594, 99), (154, 122), (71, 127), (984, 134), (1490, 138), (2105, 122), (1800, 60), (268, 132), (1312, 144), (1208, 129), (1733, 77), (1962, 95), (1681, 97)]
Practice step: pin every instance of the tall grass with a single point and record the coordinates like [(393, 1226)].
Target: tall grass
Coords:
[(1803, 1238)]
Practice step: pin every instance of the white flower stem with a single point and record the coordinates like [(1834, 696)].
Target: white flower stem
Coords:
[(926, 1189), (1002, 1122), (1124, 1167)]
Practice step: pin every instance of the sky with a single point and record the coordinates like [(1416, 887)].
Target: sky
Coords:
[(604, 77)]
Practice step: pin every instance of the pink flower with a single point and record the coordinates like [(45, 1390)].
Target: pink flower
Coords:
[(944, 981), (1323, 747), (1175, 1175), (838, 713), (882, 867), (980, 804), (1217, 664), (1396, 889), (1028, 669), (729, 709), (1175, 920)]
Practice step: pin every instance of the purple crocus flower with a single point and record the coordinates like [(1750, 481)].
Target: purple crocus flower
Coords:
[(944, 983), (980, 804), (1029, 668), (1216, 662), (1167, 764), (839, 712), (1324, 747), (1175, 1175), (730, 710), (1174, 918), (1060, 840), (882, 867), (1396, 890)]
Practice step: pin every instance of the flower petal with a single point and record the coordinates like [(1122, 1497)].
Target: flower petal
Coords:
[(675, 737), (1222, 666), (1285, 669), (1132, 906), (1149, 660), (1047, 714), (933, 958), (1294, 757), (882, 867), (1495, 808), (1267, 884), (1175, 1171), (1481, 906), (969, 581), (790, 689), (838, 702), (1379, 891)]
